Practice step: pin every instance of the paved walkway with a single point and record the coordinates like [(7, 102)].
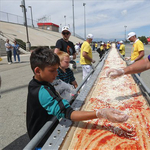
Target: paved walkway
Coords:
[(15, 78)]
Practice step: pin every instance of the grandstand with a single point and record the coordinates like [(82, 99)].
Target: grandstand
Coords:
[(37, 37)]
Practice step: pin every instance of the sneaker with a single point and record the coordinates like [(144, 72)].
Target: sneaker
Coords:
[(9, 63)]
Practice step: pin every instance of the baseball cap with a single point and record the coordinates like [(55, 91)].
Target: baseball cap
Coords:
[(65, 28), (130, 35), (90, 36), (121, 42)]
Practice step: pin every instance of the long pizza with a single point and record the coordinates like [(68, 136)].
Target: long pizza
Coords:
[(123, 94)]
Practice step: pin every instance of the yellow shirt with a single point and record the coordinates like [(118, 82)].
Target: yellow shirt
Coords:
[(122, 49), (102, 48), (137, 47), (85, 48), (108, 46), (95, 44)]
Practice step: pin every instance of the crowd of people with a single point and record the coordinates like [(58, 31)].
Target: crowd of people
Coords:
[(102, 48), (50, 67), (44, 102)]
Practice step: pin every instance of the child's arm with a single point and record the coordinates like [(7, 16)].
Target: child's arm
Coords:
[(53, 105), (74, 83), (83, 115), (111, 114)]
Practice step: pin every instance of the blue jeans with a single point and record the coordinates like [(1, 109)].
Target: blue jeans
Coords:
[(15, 53)]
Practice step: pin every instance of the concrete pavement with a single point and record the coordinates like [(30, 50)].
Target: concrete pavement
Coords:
[(15, 79)]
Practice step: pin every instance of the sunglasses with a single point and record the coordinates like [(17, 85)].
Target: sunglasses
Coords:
[(65, 33)]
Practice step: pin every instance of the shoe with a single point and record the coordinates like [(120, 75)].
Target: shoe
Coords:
[(9, 63)]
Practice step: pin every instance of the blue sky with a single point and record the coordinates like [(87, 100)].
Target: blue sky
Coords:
[(104, 18)]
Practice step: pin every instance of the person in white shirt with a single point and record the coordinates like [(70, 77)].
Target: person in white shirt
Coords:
[(77, 48), (9, 51)]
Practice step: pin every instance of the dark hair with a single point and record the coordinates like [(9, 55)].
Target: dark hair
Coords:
[(43, 57)]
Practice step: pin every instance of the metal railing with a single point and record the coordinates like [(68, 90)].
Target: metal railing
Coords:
[(11, 18)]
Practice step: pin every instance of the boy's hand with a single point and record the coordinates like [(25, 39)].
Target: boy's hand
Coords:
[(112, 115), (114, 73)]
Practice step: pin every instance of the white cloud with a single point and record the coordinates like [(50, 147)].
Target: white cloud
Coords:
[(124, 12)]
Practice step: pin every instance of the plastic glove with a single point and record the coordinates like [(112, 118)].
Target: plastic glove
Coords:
[(131, 62), (112, 115), (114, 73)]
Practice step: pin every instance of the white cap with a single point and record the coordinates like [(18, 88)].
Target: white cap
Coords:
[(121, 42), (102, 43), (130, 35), (90, 36), (65, 28)]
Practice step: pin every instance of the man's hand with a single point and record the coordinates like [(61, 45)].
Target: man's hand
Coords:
[(112, 115), (114, 73)]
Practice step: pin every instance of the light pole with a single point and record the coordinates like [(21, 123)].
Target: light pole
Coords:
[(65, 20), (31, 15), (60, 27), (84, 21), (125, 34), (73, 17), (28, 45)]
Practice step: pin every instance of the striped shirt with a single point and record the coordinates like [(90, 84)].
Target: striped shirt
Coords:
[(67, 76)]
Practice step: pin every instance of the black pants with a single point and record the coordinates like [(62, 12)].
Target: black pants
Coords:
[(9, 56)]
